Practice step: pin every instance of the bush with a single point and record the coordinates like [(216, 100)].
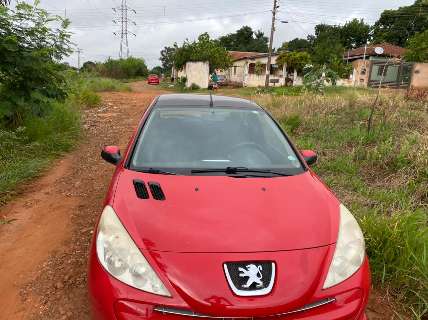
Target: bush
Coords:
[(381, 176), (30, 148), (194, 86), (31, 76), (398, 250), (123, 68)]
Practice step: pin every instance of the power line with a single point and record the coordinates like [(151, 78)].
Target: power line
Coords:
[(123, 10)]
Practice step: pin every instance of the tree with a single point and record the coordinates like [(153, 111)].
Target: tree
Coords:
[(328, 49), (204, 49), (417, 47), (30, 51), (296, 60), (128, 68), (4, 2), (245, 39), (354, 33), (157, 70), (398, 26), (89, 66), (296, 44), (167, 58)]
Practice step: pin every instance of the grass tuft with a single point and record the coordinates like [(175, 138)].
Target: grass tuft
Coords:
[(382, 175)]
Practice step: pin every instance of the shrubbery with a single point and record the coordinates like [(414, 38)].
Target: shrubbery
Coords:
[(129, 68), (380, 175)]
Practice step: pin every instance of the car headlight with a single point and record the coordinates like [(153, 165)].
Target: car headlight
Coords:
[(120, 256), (350, 250)]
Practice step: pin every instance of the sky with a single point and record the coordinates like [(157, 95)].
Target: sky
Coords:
[(160, 23)]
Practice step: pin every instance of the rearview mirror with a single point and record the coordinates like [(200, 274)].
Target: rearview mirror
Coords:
[(309, 156), (111, 154)]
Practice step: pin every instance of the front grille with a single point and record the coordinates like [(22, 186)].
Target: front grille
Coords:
[(188, 313), (250, 278)]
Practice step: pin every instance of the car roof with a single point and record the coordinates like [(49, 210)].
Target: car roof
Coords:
[(199, 100)]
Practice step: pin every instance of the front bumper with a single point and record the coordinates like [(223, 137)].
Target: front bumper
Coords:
[(114, 300)]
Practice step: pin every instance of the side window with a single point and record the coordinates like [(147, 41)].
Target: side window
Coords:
[(252, 68)]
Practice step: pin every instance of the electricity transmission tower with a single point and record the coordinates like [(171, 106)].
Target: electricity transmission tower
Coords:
[(123, 19)]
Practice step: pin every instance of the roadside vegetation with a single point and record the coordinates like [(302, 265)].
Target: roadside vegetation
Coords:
[(40, 98), (380, 173)]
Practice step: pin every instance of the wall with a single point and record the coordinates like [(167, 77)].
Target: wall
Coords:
[(239, 73), (420, 76), (360, 75), (196, 73)]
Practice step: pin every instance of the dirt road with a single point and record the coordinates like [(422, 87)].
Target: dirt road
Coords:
[(43, 254)]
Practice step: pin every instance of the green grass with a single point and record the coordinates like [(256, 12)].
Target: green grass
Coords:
[(382, 176), (28, 150)]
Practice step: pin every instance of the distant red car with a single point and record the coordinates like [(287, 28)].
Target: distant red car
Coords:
[(213, 213), (153, 79)]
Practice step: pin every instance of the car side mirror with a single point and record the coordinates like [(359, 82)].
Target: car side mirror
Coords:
[(111, 154), (309, 156)]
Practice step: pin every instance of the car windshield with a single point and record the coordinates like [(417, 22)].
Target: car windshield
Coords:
[(180, 140)]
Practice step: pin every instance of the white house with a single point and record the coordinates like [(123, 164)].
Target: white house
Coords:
[(249, 69)]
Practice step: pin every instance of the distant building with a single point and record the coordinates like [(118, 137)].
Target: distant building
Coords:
[(249, 70), (377, 62)]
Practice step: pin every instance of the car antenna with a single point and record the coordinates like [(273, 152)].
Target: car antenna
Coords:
[(211, 101)]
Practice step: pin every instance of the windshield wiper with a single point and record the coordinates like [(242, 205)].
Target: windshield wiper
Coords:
[(157, 171), (237, 170)]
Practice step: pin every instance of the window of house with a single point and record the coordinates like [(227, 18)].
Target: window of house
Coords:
[(234, 70), (252, 68), (382, 70), (273, 69)]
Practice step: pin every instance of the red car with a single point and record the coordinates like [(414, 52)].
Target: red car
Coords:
[(153, 79), (213, 213)]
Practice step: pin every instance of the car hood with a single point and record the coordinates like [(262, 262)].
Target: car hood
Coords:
[(203, 214)]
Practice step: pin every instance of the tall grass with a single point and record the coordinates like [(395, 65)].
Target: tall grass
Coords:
[(30, 148), (382, 175)]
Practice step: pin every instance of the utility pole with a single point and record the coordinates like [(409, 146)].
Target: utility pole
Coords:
[(79, 51), (124, 20), (272, 32)]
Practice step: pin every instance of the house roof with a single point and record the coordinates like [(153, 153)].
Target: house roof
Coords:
[(389, 50), (240, 55)]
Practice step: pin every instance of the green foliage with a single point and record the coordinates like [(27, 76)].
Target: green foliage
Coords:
[(417, 47), (381, 177), (204, 49), (194, 86), (291, 123), (30, 148), (317, 78), (89, 66), (295, 59), (398, 26), (167, 58), (30, 75), (398, 247), (296, 44), (259, 68), (354, 33), (157, 70), (128, 68), (245, 39)]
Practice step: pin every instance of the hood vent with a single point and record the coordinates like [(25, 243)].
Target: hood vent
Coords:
[(141, 189), (156, 191)]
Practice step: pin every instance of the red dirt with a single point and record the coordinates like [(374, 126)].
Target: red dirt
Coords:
[(44, 252)]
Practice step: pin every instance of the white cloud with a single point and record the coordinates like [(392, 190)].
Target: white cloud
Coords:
[(93, 27)]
